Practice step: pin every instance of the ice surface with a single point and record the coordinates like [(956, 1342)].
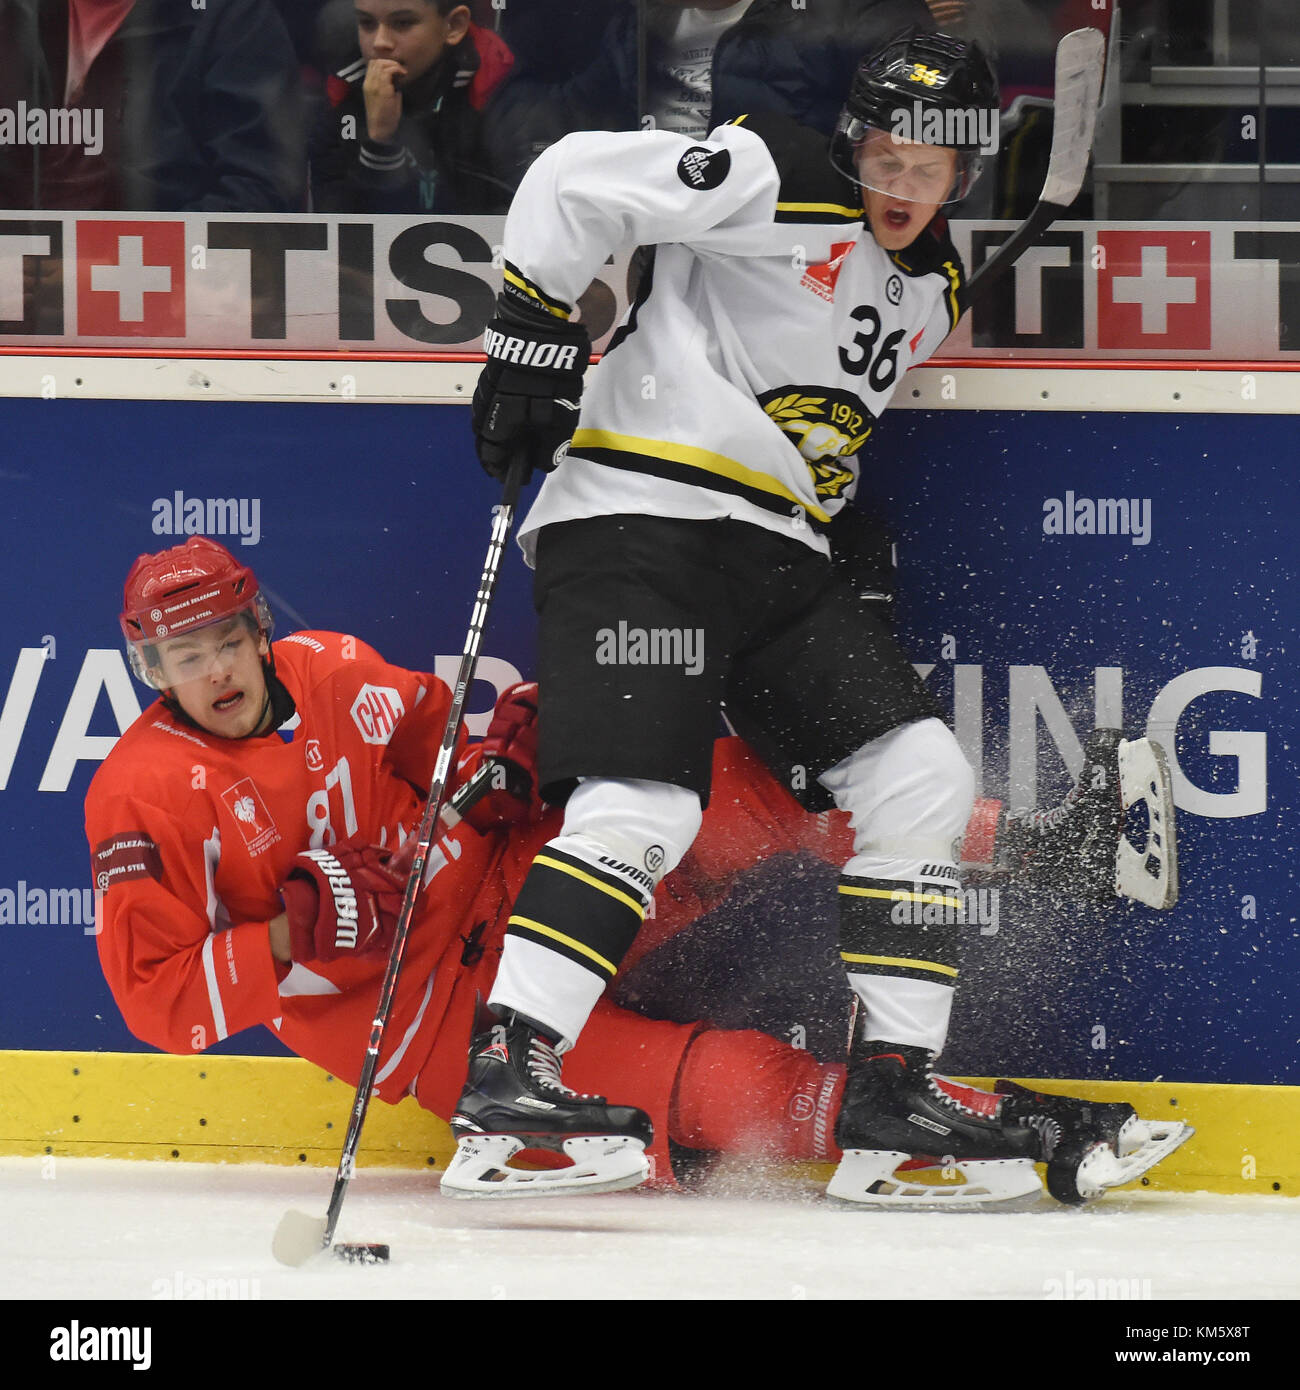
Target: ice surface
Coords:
[(99, 1228)]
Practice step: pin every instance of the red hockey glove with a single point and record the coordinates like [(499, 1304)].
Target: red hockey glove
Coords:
[(510, 744), (341, 902)]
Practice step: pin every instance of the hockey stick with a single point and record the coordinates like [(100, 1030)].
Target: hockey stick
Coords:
[(299, 1236), (1079, 60)]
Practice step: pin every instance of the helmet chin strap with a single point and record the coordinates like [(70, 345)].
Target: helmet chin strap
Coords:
[(264, 720)]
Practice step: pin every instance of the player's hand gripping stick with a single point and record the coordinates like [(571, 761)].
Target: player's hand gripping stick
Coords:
[(528, 394), (299, 1236)]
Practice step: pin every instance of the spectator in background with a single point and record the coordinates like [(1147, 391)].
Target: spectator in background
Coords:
[(552, 40), (301, 20), (177, 107), (407, 130), (704, 64)]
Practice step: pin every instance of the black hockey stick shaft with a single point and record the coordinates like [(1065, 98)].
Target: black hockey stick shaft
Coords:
[(1011, 250), (1080, 60), (503, 520)]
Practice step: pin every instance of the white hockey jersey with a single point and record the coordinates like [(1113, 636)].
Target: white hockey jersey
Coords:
[(764, 341)]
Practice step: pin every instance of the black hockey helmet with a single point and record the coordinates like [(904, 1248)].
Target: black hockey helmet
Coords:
[(920, 88)]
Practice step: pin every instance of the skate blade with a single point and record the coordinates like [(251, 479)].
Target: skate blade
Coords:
[(869, 1178), (1142, 1144), (1148, 876), (601, 1163)]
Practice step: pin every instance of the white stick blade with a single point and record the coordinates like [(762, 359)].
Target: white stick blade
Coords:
[(298, 1237), (1080, 57)]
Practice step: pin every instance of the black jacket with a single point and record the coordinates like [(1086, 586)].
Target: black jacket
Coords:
[(200, 109), (439, 159), (798, 62)]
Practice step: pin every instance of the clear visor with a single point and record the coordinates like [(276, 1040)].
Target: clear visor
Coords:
[(912, 172), (201, 652)]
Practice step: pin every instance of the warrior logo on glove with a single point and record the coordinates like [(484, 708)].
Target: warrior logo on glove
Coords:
[(344, 901), (529, 393), (345, 898), (527, 352)]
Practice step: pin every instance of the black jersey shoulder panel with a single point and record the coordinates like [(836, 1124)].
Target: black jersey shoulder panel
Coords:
[(812, 189)]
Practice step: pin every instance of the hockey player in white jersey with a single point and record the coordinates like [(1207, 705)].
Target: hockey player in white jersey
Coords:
[(680, 542)]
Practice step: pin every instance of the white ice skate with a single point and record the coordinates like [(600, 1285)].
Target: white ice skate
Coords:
[(1112, 835), (514, 1099), (898, 1116), (1142, 1144), (891, 1179), (600, 1163), (1148, 875)]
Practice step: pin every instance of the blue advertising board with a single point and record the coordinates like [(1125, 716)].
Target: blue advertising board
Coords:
[(1038, 603)]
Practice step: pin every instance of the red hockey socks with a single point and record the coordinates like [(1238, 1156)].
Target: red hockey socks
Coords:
[(748, 1093)]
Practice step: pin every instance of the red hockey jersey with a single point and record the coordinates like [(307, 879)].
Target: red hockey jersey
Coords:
[(191, 836)]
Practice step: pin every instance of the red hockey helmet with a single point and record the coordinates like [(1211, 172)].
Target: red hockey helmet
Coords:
[(181, 590)]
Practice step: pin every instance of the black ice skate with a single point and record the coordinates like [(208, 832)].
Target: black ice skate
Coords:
[(1086, 846), (899, 1123), (514, 1099), (901, 1126), (1100, 1144)]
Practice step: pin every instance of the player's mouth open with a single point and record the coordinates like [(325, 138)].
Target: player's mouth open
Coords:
[(228, 702), (898, 218)]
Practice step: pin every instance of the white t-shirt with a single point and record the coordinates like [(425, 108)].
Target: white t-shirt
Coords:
[(681, 89)]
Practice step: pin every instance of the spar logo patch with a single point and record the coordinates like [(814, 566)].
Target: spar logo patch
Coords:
[(133, 855), (821, 278), (245, 804), (701, 168)]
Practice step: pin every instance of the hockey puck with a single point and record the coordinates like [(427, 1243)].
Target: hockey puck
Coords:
[(362, 1254)]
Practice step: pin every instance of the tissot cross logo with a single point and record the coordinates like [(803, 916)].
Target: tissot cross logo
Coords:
[(1154, 290), (131, 279)]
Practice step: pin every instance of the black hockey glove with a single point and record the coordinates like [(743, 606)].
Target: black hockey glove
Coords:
[(528, 395)]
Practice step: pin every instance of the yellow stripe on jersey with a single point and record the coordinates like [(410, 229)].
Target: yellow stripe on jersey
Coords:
[(624, 898), (954, 280), (824, 209), (899, 960), (518, 281), (568, 941), (901, 895), (693, 457)]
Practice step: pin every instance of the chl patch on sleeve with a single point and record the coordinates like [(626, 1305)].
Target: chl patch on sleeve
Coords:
[(133, 855), (701, 168)]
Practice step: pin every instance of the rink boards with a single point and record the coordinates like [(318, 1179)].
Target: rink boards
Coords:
[(1033, 601), (283, 1110)]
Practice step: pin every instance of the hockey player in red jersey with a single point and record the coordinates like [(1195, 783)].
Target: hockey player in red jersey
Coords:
[(681, 555), (246, 834)]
